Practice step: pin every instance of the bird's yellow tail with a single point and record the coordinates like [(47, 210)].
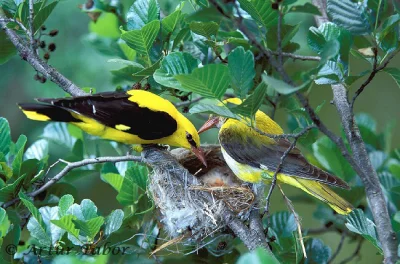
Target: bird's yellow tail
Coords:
[(320, 191), (43, 112)]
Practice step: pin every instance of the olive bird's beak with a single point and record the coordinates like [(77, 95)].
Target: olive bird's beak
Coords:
[(212, 122), (200, 155)]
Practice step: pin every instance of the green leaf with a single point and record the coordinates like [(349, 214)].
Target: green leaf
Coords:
[(64, 204), (107, 25), (5, 170), (148, 71), (89, 209), (349, 15), (241, 69), (5, 137), (282, 87), (220, 110), (251, 105), (258, 256), (10, 190), (43, 14), (306, 8), (129, 192), (138, 174), (17, 162), (113, 222), (358, 223), (395, 73), (317, 252), (283, 223), (58, 133), (4, 223), (206, 29), (114, 179), (66, 223), (36, 225), (388, 37), (169, 23), (91, 227), (7, 48), (142, 40), (142, 12), (38, 150), (260, 11), (210, 81), (329, 156), (174, 64), (330, 50)]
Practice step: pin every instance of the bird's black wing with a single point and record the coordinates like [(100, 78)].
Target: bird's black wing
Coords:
[(259, 154), (114, 108)]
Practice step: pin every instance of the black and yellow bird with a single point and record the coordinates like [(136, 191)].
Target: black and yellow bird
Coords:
[(250, 155), (132, 117)]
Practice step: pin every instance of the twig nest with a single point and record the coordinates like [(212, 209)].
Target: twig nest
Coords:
[(193, 205)]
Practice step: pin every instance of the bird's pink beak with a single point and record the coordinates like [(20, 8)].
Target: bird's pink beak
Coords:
[(200, 155), (212, 122)]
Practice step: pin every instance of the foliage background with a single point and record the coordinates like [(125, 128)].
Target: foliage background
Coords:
[(78, 61)]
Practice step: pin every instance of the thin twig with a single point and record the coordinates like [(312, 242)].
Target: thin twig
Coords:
[(32, 28), (375, 70), (297, 57), (355, 253), (187, 103), (297, 220), (286, 136), (70, 166), (339, 248), (274, 178)]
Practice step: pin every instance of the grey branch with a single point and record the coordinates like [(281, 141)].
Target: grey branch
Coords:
[(37, 63), (31, 28), (364, 167), (296, 56), (70, 166)]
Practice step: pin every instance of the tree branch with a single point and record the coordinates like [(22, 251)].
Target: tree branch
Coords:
[(37, 63), (364, 167), (70, 166), (297, 57), (31, 28)]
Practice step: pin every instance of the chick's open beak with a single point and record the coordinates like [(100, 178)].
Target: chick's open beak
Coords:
[(200, 155), (212, 122)]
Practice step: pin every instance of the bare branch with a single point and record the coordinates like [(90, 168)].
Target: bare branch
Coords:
[(355, 253), (297, 57), (375, 70), (364, 168), (70, 166), (189, 102), (31, 28), (37, 63), (339, 248)]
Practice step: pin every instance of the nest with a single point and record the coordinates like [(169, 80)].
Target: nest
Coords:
[(192, 206)]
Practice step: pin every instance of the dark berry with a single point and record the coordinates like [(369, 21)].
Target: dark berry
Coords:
[(42, 44), (52, 47), (43, 79), (184, 97), (185, 109), (275, 6), (43, 27), (53, 33), (137, 86), (46, 56), (89, 4), (329, 224), (36, 77), (147, 87)]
